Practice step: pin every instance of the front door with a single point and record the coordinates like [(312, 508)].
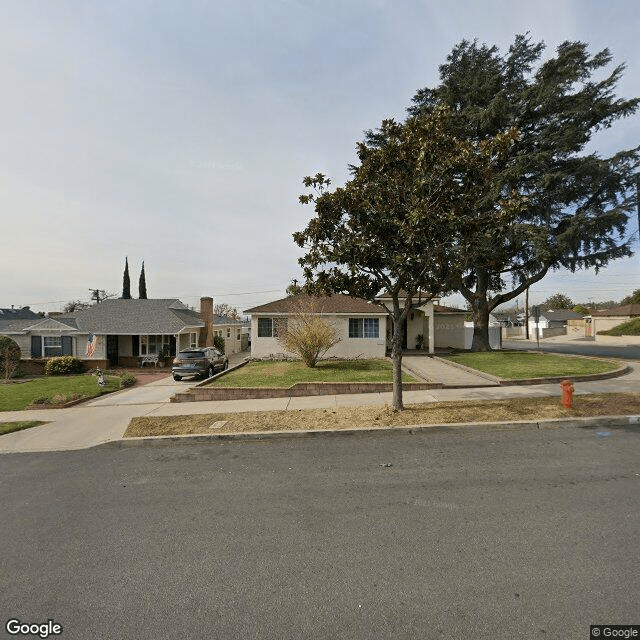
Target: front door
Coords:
[(112, 350)]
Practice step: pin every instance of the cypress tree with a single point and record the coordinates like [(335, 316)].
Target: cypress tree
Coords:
[(126, 282), (142, 285)]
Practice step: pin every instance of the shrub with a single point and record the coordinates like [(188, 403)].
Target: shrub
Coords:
[(63, 366), (127, 379), (218, 343), (9, 356)]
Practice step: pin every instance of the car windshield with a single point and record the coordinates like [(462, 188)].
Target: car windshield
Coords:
[(187, 355)]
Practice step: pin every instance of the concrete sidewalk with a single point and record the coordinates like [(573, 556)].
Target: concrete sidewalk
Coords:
[(95, 423)]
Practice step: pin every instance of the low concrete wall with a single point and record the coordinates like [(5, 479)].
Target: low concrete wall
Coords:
[(201, 394), (554, 331), (512, 332)]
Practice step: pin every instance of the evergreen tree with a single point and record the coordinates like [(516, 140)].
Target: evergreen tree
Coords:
[(142, 285), (126, 282), (577, 204)]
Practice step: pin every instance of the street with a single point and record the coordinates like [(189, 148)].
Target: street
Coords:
[(454, 533)]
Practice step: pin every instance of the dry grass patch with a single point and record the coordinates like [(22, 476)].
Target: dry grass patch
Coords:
[(383, 415)]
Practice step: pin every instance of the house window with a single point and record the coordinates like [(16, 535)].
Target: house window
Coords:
[(228, 332), (238, 335), (52, 346), (364, 327), (265, 327), (271, 327), (193, 340), (153, 345), (218, 332)]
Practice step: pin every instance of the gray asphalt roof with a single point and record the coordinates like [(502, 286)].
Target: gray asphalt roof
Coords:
[(23, 313), (15, 326), (131, 317)]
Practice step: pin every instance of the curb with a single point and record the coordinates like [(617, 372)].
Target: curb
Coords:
[(597, 421)]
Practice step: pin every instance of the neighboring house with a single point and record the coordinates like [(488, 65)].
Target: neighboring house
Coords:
[(24, 313), (223, 326), (552, 322), (363, 327), (609, 318), (118, 332), (360, 325)]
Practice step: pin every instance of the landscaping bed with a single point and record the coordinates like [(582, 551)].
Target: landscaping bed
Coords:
[(383, 415)]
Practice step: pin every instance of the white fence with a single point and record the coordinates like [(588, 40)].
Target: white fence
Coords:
[(495, 337)]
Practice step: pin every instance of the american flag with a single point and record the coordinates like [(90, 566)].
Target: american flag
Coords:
[(91, 344)]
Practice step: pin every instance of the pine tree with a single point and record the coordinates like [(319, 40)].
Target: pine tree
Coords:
[(142, 285), (126, 282), (578, 203)]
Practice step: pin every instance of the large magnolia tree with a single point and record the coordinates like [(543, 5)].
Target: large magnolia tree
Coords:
[(577, 201), (395, 226)]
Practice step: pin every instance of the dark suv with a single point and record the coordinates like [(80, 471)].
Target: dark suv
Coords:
[(203, 361)]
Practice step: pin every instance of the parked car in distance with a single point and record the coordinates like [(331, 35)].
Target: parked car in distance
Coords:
[(202, 361)]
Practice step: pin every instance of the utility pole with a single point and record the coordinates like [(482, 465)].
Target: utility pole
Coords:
[(98, 295)]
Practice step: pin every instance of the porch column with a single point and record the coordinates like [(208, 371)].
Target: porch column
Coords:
[(432, 329), (177, 337)]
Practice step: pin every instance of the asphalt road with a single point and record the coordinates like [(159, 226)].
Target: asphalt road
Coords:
[(578, 347), (469, 534)]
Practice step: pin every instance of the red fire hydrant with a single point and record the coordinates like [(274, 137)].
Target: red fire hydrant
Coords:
[(567, 393)]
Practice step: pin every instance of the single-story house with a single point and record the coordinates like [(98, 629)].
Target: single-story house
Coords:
[(360, 325), (608, 318), (119, 332), (552, 322), (216, 325), (363, 327)]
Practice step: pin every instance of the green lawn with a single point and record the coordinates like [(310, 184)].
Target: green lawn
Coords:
[(279, 373), (516, 364), (8, 427), (18, 395)]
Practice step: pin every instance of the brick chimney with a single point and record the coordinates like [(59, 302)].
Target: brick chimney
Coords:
[(206, 315)]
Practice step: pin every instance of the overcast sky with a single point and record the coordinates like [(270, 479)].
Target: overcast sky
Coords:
[(178, 133)]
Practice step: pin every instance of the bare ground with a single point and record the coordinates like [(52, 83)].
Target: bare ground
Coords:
[(383, 415)]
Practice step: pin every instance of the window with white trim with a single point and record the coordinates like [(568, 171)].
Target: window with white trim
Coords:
[(364, 327), (51, 346), (193, 340), (238, 335), (228, 332), (154, 345)]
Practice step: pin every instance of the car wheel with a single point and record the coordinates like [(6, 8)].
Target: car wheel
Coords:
[(177, 378), (226, 365), (211, 371)]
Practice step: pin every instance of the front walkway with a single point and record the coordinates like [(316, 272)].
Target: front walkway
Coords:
[(432, 370)]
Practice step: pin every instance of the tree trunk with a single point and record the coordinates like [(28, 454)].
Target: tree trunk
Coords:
[(480, 310), (396, 358)]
